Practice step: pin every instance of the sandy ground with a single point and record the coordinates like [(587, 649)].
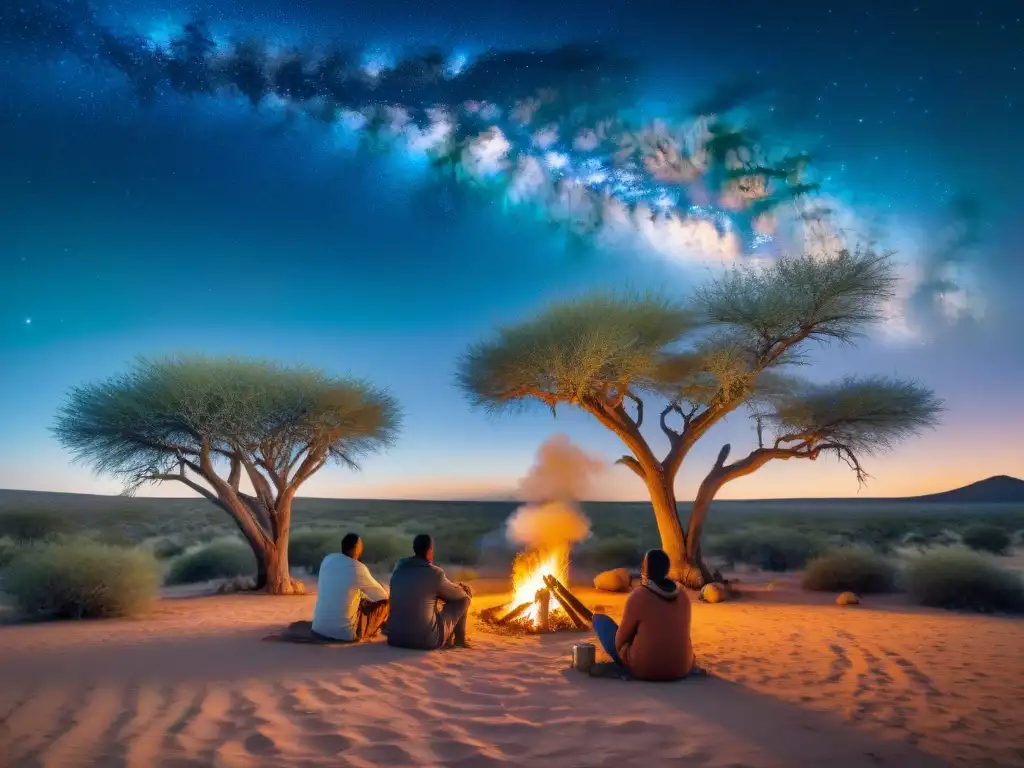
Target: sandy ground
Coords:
[(793, 685)]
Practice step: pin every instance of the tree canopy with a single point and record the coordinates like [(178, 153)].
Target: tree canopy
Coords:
[(278, 424)]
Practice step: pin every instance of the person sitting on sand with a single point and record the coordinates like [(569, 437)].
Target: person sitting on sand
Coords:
[(350, 604), (653, 641), (416, 587)]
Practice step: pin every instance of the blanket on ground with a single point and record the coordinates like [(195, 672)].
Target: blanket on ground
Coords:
[(302, 632)]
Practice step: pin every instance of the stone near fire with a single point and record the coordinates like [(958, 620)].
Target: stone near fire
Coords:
[(616, 580), (847, 598), (713, 593)]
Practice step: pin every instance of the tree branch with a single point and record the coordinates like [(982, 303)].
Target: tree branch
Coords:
[(639, 408), (633, 464)]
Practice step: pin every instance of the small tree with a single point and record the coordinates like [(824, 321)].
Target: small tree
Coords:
[(204, 422), (605, 354)]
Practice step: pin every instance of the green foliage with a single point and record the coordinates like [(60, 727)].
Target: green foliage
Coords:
[(385, 547), (961, 580), (851, 569), (140, 424), (8, 549), (308, 548), (80, 579), (32, 525), (222, 559), (166, 548), (607, 553), (984, 537), (767, 548), (573, 351)]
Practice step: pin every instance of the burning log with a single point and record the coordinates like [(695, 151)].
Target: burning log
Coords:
[(516, 612), (566, 606), (568, 597), (543, 607)]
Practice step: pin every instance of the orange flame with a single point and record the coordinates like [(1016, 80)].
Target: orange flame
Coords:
[(528, 574)]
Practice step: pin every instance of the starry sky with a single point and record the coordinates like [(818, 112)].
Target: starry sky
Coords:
[(153, 223)]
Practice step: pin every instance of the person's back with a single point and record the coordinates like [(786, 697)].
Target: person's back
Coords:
[(653, 640), (414, 591), (416, 586), (342, 583)]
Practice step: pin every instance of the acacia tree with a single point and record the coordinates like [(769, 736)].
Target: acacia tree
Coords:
[(704, 359), (207, 422)]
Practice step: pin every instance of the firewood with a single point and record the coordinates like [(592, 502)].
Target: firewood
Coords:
[(569, 610), (556, 586), (516, 612), (543, 607)]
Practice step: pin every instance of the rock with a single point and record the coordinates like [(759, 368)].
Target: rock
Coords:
[(714, 593), (847, 598), (616, 580)]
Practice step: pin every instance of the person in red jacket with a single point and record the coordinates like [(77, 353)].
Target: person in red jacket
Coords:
[(653, 641)]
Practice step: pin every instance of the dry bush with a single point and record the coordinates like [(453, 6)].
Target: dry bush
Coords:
[(851, 570), (983, 537), (963, 580), (221, 559), (165, 548), (78, 579), (767, 548), (308, 548)]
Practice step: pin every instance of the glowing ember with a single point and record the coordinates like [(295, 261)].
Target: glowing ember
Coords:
[(528, 574)]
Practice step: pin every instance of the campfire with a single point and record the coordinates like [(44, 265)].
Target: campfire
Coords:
[(541, 602)]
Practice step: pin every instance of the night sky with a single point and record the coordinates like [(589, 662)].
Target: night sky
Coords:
[(137, 221)]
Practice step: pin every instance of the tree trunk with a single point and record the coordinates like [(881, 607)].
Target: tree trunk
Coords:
[(278, 580), (670, 530)]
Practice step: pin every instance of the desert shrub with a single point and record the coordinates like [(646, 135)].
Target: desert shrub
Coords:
[(78, 579), (770, 549), (984, 537), (851, 569), (460, 549), (307, 549), (614, 552), (385, 547), (962, 580), (32, 525), (221, 559), (465, 574), (8, 549), (918, 540), (166, 548)]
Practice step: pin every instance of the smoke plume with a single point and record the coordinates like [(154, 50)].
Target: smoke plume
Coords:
[(561, 475)]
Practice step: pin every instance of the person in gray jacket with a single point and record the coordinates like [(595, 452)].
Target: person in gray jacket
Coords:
[(416, 620)]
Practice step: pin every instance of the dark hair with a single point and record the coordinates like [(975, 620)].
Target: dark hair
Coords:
[(422, 544), (658, 565), (348, 544)]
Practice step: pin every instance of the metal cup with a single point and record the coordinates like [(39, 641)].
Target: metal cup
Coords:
[(584, 656)]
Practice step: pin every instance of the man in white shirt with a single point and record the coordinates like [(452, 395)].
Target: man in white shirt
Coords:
[(350, 604)]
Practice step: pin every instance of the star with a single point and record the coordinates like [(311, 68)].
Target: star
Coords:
[(28, 321)]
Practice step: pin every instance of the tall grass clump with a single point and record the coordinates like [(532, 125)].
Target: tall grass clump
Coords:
[(851, 569), (29, 525), (767, 548), (984, 537), (308, 548), (221, 559), (961, 580), (80, 579)]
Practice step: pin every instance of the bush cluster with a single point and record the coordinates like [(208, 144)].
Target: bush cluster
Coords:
[(851, 569), (962, 580), (308, 548), (610, 552), (221, 559), (767, 548), (984, 537), (27, 525), (78, 579)]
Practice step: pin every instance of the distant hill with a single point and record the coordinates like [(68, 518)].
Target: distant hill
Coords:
[(1001, 489)]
